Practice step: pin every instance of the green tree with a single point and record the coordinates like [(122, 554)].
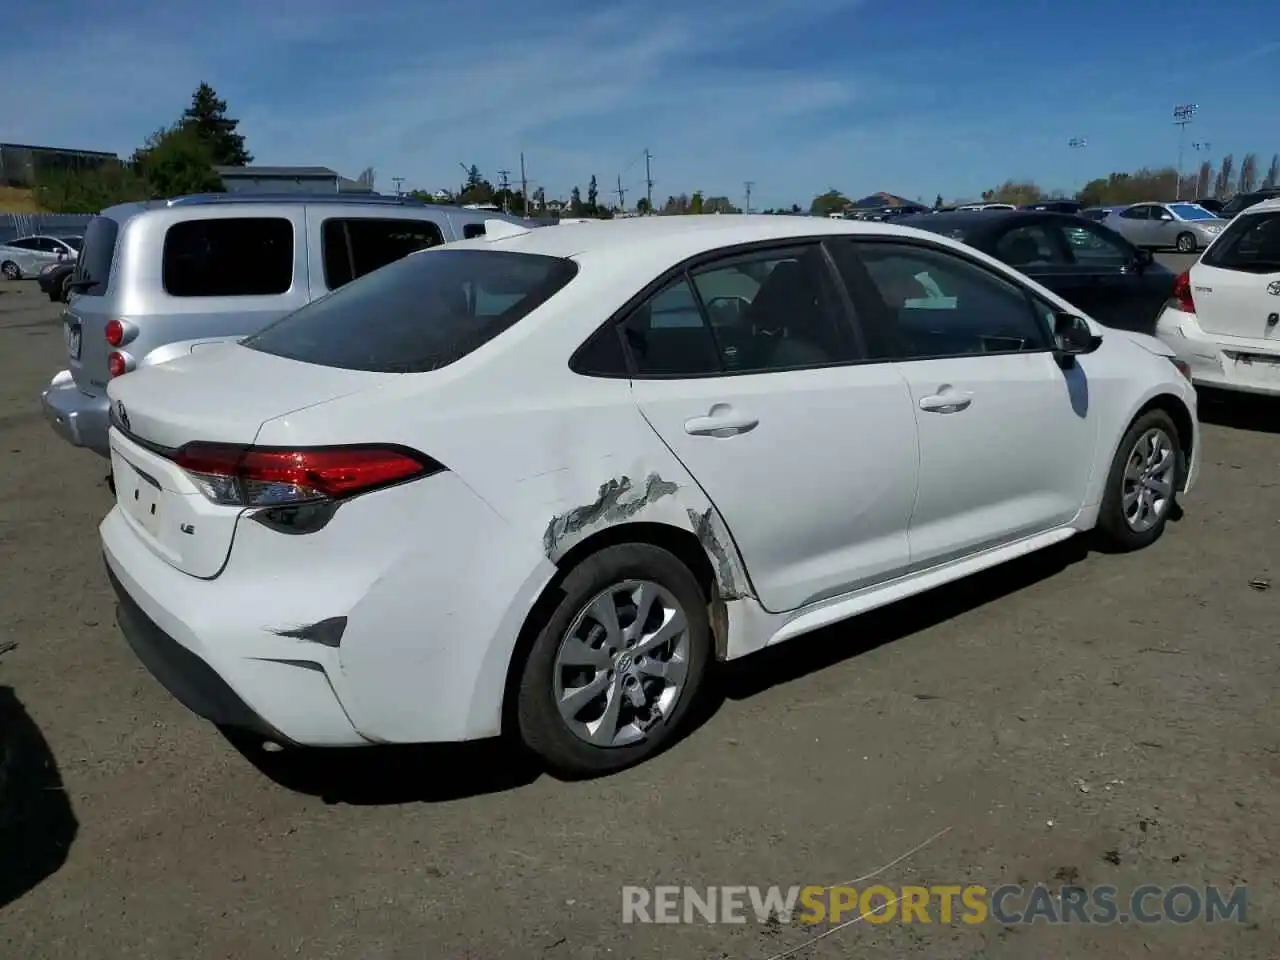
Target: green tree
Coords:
[(1248, 172), (1273, 172), (825, 204), (177, 161), (90, 191), (695, 202), (938, 203), (575, 202), (642, 206), (208, 116), (593, 196), (474, 179)]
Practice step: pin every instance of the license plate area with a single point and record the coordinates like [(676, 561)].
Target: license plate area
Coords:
[(138, 494), (73, 333), (1258, 366)]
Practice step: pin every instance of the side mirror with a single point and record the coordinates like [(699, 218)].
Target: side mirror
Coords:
[(1167, 217), (1072, 336)]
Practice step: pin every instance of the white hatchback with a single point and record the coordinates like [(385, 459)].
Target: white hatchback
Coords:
[(1224, 318), (538, 482)]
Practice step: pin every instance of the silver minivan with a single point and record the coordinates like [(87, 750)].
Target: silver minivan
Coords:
[(157, 279)]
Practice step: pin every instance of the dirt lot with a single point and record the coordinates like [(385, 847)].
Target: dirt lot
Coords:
[(1092, 718)]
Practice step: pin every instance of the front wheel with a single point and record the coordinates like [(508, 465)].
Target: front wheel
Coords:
[(1143, 483), (9, 270), (1186, 243), (613, 673)]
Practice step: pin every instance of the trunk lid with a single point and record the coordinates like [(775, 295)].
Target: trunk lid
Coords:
[(1237, 304), (222, 393)]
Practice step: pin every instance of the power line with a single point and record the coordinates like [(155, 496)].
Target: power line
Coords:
[(749, 184), (524, 185), (504, 184), (1183, 113), (622, 195), (397, 181)]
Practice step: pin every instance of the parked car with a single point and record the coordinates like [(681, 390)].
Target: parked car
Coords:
[(540, 480), (26, 256), (1053, 206), (55, 280), (970, 207), (1185, 227), (1212, 204), (1090, 266), (1224, 318), (1100, 213), (1243, 201), (159, 279)]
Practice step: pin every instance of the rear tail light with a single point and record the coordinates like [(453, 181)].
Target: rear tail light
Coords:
[(1182, 299), (114, 332), (118, 363), (265, 477)]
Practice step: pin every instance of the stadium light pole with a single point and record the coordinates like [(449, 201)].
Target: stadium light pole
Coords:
[(1183, 114), (1078, 143)]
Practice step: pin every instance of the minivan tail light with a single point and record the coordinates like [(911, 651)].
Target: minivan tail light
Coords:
[(114, 332), (1182, 299), (269, 477), (118, 364)]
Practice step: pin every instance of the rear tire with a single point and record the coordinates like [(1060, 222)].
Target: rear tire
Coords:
[(65, 292), (1186, 243), (638, 680), (9, 270), (1142, 484)]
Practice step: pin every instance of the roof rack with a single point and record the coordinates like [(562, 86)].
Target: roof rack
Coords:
[(200, 199)]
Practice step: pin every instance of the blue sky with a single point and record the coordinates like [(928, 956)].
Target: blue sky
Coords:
[(914, 97)]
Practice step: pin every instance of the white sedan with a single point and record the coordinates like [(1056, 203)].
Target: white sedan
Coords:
[(1223, 320), (537, 483), (27, 256)]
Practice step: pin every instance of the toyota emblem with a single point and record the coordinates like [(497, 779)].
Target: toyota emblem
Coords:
[(1273, 288), (123, 415)]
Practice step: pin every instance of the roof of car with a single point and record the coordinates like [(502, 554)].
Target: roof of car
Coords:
[(682, 236), (1270, 205)]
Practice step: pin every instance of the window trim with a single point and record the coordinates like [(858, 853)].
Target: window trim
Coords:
[(848, 324), (872, 304)]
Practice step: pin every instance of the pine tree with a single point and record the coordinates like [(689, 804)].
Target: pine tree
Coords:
[(207, 115)]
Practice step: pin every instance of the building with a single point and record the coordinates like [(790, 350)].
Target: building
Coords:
[(22, 164), (261, 179)]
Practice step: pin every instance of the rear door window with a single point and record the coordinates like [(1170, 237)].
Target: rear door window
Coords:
[(419, 313), (93, 268), (356, 246), (1032, 245), (1251, 244), (228, 257)]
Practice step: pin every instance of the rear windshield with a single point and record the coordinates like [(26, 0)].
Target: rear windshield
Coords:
[(93, 266), (417, 314), (1251, 244), (1243, 201)]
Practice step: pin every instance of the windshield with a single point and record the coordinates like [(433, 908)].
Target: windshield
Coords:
[(1191, 211), (419, 313), (75, 243)]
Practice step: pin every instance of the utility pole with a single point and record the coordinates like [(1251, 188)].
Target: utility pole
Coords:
[(748, 184), (648, 179), (622, 195), (504, 181), (1183, 114), (524, 186), (397, 181), (1206, 146)]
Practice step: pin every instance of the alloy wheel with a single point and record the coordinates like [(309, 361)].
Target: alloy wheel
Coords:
[(1147, 484), (620, 667)]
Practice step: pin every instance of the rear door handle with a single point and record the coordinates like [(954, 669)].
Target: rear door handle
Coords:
[(946, 402), (721, 421)]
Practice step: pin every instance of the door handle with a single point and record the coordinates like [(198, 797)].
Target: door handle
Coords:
[(721, 421), (946, 402)]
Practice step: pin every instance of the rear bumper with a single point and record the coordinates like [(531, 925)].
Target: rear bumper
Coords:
[(78, 418), (203, 649), (1212, 359)]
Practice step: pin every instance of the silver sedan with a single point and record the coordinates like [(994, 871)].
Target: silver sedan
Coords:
[(27, 256), (1185, 227)]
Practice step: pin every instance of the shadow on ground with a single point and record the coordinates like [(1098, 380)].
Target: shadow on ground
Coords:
[(442, 772), (1243, 411), (37, 826)]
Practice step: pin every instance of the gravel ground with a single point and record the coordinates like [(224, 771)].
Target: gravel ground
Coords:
[(1098, 719)]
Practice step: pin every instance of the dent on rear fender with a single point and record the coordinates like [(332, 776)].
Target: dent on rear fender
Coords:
[(656, 499)]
